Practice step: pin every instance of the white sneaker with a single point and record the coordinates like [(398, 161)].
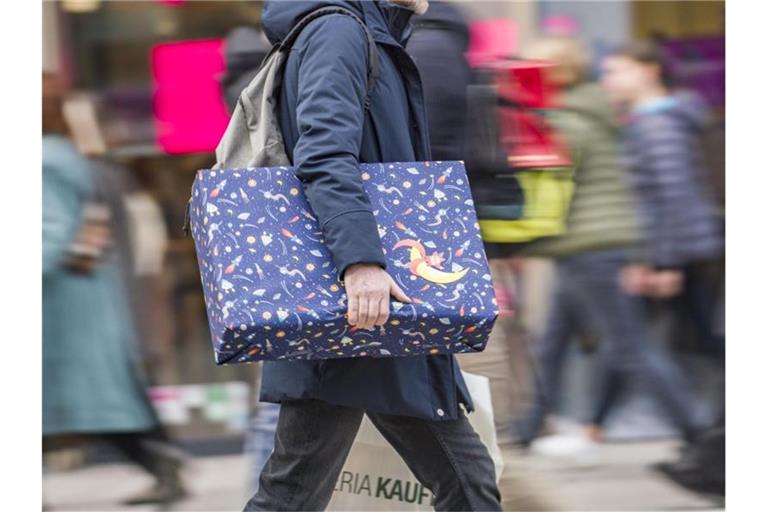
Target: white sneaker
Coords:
[(575, 448)]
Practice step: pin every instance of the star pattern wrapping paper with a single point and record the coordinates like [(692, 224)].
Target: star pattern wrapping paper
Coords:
[(272, 291)]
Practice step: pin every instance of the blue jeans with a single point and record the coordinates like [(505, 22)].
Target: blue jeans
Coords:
[(260, 439), (588, 294), (313, 440)]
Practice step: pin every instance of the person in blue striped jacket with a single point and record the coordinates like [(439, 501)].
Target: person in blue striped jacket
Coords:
[(663, 134), (666, 133)]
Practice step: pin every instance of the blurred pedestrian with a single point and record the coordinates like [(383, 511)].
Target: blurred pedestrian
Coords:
[(663, 147), (93, 386), (601, 239), (330, 125), (665, 134), (438, 45)]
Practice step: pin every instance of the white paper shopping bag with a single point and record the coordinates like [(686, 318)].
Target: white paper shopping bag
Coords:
[(376, 478)]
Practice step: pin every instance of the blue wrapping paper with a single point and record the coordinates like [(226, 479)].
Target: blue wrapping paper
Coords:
[(272, 290)]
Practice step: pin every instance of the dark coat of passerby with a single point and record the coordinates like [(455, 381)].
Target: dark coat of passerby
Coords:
[(413, 401), (438, 44)]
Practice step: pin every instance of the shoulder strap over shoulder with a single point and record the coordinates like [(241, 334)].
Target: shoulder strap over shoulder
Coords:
[(373, 56)]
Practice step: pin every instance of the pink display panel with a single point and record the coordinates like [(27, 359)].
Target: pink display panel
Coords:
[(190, 113), (491, 40), (560, 25)]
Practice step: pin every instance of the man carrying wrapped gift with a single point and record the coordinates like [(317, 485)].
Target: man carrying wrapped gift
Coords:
[(414, 401)]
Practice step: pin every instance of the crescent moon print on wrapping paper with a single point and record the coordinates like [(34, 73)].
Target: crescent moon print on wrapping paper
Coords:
[(271, 288)]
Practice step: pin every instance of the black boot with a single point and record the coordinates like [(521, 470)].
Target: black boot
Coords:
[(168, 487), (701, 465)]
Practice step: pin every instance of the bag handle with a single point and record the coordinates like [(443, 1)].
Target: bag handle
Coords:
[(373, 56)]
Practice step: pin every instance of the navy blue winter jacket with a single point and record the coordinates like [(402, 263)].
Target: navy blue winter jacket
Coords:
[(666, 168), (327, 134)]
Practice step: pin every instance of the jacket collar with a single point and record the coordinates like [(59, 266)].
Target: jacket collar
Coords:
[(388, 23)]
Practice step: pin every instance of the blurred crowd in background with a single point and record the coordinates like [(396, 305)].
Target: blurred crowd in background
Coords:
[(593, 137)]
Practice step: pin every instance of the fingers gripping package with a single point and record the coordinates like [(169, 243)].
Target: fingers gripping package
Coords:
[(272, 291)]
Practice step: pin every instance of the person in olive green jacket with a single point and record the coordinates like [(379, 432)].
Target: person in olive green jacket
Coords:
[(603, 237), (602, 212)]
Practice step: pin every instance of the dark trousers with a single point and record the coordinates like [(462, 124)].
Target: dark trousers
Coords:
[(313, 440), (699, 308), (588, 295)]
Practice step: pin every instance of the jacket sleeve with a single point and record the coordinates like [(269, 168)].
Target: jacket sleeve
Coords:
[(329, 115), (664, 176)]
